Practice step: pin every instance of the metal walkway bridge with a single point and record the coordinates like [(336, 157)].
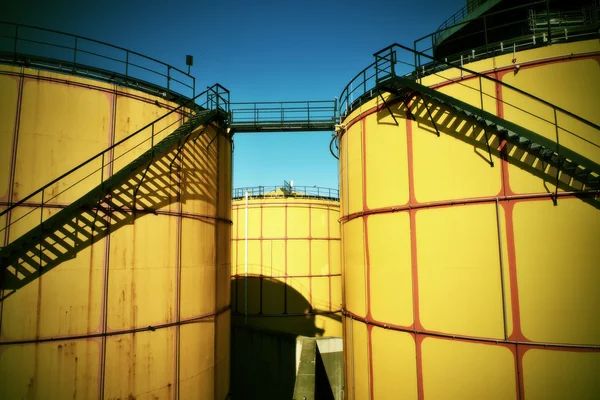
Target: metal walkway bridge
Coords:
[(283, 116)]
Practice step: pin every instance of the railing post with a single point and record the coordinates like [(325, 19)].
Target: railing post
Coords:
[(415, 54), (75, 54), (308, 105), (168, 78), (481, 94), (16, 41), (548, 21), (255, 115), (335, 109), (486, 35), (432, 44), (393, 61)]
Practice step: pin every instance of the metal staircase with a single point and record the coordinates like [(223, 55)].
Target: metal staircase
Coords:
[(555, 155), (398, 70), (110, 204)]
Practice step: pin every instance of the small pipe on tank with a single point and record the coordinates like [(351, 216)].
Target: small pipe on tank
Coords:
[(246, 262)]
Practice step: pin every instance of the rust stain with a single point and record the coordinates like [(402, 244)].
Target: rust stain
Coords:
[(75, 378)]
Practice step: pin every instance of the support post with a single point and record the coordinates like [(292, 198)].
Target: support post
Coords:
[(486, 35), (388, 108), (75, 55), (16, 41), (437, 131), (548, 20), (559, 166), (487, 140)]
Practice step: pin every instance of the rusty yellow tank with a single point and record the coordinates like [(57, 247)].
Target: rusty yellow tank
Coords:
[(285, 260), (468, 274), (141, 310)]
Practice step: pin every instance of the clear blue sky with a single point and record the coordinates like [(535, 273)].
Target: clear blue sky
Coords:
[(260, 50)]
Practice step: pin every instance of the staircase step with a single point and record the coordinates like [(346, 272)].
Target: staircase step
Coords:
[(546, 154), (535, 146), (77, 229), (75, 225)]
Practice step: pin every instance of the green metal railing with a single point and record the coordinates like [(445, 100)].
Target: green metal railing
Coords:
[(458, 16), (214, 98), (55, 50), (543, 28), (568, 129), (399, 60), (284, 115), (283, 191)]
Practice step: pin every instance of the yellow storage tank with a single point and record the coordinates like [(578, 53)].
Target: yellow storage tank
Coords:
[(463, 280), (286, 260), (142, 311)]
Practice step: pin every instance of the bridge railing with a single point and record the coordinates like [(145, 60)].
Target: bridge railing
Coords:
[(273, 115), (282, 191)]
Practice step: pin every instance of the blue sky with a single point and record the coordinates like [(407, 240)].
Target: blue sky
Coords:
[(260, 50)]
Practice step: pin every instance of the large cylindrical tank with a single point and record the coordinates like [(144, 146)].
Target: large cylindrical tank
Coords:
[(144, 311), (291, 278), (463, 280)]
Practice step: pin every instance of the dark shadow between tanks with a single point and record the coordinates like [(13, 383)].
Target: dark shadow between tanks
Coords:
[(264, 335)]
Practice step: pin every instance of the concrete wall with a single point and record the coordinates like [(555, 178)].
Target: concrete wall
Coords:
[(278, 365), (263, 364)]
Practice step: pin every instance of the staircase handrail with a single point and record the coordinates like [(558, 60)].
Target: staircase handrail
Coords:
[(217, 90), (366, 76), (489, 78), (168, 76)]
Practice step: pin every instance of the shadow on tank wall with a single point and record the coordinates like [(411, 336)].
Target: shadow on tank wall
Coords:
[(263, 345), (468, 130), (176, 176)]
